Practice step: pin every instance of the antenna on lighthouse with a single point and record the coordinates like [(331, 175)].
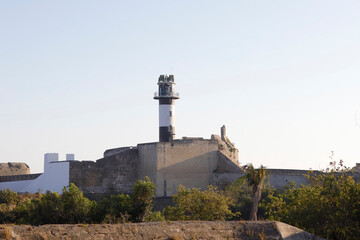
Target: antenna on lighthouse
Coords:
[(166, 96)]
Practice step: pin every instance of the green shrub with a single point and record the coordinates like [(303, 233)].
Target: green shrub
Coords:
[(9, 197), (329, 207), (142, 199), (193, 204), (76, 207), (155, 217), (115, 209)]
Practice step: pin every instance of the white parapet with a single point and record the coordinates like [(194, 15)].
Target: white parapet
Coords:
[(55, 177), (50, 157)]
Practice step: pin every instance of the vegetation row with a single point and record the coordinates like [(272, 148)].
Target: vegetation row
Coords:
[(328, 207)]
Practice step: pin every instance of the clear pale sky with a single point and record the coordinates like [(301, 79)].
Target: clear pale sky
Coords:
[(283, 76)]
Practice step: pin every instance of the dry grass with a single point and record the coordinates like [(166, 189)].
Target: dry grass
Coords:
[(176, 238), (5, 233), (262, 235), (250, 232)]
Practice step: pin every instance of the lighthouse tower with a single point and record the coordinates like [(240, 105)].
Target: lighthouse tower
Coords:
[(166, 96)]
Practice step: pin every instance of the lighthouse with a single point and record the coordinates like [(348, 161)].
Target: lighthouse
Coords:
[(166, 96)]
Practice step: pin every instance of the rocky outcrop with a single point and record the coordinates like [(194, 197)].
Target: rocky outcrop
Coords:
[(14, 168), (159, 230)]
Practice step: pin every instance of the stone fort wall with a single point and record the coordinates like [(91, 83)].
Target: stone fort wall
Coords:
[(190, 162), (278, 178), (113, 174)]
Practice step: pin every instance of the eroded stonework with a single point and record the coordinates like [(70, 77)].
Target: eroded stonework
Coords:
[(14, 168), (216, 230), (113, 174)]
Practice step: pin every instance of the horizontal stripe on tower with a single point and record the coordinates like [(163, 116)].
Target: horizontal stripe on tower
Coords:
[(166, 101), (166, 115)]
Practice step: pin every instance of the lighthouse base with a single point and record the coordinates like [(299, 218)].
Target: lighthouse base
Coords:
[(166, 135)]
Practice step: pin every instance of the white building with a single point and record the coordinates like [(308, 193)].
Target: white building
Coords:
[(54, 178)]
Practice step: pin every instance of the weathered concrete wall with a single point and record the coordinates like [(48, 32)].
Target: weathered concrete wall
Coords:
[(280, 177), (227, 149), (14, 168), (221, 180), (190, 163), (159, 230), (227, 165), (147, 160), (227, 172), (114, 174)]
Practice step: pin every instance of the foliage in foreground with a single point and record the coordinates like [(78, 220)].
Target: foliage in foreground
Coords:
[(72, 207), (242, 197), (123, 208), (193, 204), (329, 207), (142, 199)]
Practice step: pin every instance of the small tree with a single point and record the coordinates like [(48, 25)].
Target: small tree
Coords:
[(48, 209), (142, 199), (76, 207), (193, 204), (255, 179), (8, 202)]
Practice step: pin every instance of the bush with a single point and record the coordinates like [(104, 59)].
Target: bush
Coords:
[(8, 202), (142, 199), (72, 207), (116, 209), (155, 217), (241, 195), (9, 197), (48, 209), (329, 208), (52, 208), (76, 207), (122, 207), (193, 204)]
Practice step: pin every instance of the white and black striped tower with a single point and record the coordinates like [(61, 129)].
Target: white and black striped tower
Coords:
[(166, 96)]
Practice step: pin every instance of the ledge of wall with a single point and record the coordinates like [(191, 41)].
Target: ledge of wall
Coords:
[(159, 230)]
